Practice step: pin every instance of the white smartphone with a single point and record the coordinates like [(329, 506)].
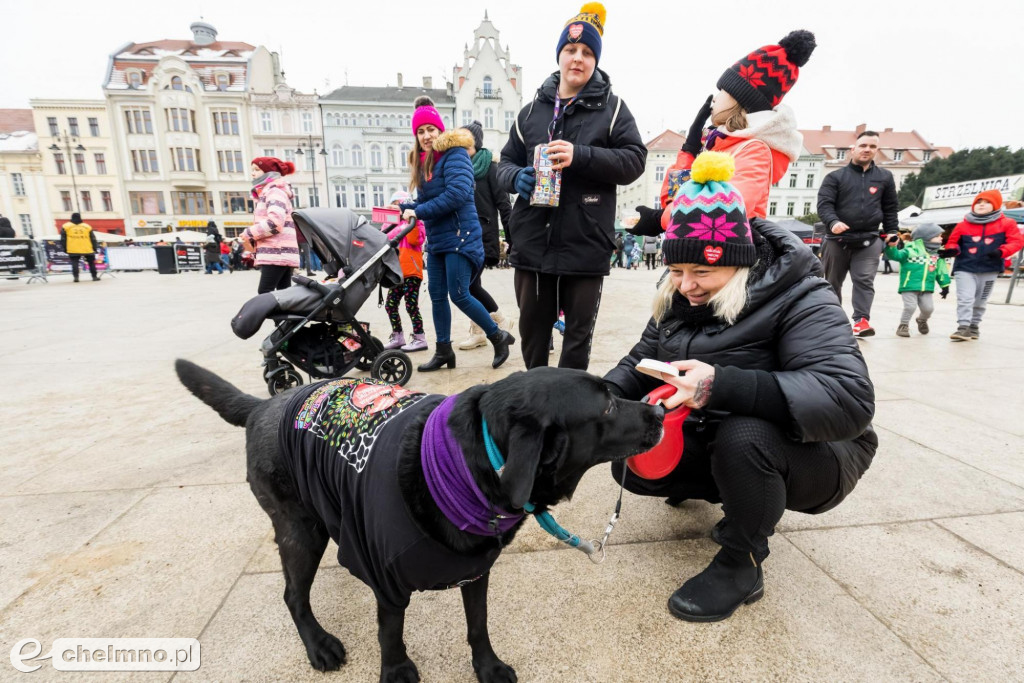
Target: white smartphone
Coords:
[(654, 368)]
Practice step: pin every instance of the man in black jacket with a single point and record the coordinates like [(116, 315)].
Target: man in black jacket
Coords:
[(562, 254), (852, 202)]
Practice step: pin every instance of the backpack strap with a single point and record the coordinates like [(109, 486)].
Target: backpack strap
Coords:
[(618, 104)]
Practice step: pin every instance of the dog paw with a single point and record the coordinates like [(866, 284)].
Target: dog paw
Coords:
[(326, 653), (496, 672), (400, 673)]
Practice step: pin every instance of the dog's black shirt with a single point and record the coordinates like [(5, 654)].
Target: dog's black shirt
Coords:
[(342, 439)]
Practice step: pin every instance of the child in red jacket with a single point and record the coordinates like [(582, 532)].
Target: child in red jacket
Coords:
[(980, 243)]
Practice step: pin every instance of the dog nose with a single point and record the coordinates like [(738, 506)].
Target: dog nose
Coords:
[(659, 412)]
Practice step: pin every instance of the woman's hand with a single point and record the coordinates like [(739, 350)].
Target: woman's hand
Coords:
[(409, 215), (693, 386), (560, 153)]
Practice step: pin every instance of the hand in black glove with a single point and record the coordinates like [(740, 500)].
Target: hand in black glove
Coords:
[(649, 223), (692, 144), (947, 253), (944, 292)]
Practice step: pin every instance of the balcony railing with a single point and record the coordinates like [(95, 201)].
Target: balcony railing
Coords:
[(482, 94)]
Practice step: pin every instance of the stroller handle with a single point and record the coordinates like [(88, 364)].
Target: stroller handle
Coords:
[(396, 240), (311, 284)]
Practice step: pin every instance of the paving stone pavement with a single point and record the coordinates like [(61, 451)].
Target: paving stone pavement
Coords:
[(124, 512)]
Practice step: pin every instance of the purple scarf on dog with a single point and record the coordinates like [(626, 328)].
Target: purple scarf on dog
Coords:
[(451, 483)]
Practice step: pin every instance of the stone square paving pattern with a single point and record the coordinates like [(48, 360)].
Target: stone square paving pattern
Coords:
[(124, 512)]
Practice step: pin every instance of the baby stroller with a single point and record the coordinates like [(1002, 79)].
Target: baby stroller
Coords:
[(315, 325)]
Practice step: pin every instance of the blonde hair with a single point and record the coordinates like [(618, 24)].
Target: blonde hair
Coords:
[(727, 303), (735, 118)]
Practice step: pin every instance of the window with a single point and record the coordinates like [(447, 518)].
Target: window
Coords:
[(792, 179), (314, 196), (357, 156), (177, 84), (229, 161), (134, 79), (139, 120), (927, 156), (101, 163), (659, 173), (108, 201), (772, 208), (391, 156), (310, 156), (360, 196), (467, 117), (58, 159), (897, 155), (269, 153), (192, 203), (403, 156), (236, 202), (94, 127), (265, 123), (144, 161), (51, 121), (376, 158), (488, 118), (147, 203), (510, 120), (225, 122), (26, 223), (19, 184), (181, 120), (810, 181), (79, 163), (289, 155), (337, 155), (185, 159), (223, 81), (378, 195), (87, 200), (807, 208), (341, 196), (376, 120), (789, 208), (840, 154), (73, 125), (307, 122), (488, 86), (65, 200)]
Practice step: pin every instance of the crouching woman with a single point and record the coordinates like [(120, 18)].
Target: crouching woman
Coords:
[(780, 398)]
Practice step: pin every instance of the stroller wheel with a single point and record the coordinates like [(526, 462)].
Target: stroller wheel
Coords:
[(392, 366), (283, 379), (369, 354)]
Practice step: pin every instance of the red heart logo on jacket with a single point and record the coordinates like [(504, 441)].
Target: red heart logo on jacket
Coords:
[(989, 240), (972, 250), (976, 238), (712, 254), (872, 189)]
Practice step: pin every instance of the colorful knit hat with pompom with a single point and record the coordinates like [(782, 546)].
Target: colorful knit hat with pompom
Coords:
[(708, 223), (587, 27)]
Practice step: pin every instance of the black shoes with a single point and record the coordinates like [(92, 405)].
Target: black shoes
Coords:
[(501, 340), (714, 594), (443, 355)]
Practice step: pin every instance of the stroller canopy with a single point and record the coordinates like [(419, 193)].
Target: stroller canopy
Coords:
[(343, 240)]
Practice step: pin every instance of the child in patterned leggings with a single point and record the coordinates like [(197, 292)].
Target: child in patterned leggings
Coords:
[(410, 255)]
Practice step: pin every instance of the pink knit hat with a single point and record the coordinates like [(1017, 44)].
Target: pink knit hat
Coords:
[(424, 115)]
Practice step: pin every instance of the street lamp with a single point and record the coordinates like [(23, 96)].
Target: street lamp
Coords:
[(67, 141), (313, 151)]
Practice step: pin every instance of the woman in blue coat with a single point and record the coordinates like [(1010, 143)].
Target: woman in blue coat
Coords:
[(442, 177)]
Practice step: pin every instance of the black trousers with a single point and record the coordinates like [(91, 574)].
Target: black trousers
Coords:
[(477, 291), (274, 277), (90, 260), (540, 296), (649, 258), (755, 471)]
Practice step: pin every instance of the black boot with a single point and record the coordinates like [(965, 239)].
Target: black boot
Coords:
[(729, 581), (501, 340), (442, 355)]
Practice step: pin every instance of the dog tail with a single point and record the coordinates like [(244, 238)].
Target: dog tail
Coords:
[(230, 402)]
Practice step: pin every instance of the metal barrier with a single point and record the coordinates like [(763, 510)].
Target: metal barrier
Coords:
[(21, 257), (1016, 274)]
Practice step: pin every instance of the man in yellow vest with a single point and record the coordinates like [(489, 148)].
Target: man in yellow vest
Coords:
[(77, 240)]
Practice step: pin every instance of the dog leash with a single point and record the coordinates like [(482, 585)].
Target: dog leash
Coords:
[(595, 549)]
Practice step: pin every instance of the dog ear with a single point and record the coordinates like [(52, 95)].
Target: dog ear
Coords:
[(524, 448)]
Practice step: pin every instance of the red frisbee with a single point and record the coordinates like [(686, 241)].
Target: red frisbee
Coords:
[(663, 458)]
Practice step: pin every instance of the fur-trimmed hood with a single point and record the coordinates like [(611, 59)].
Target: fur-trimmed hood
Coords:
[(457, 137), (776, 127)]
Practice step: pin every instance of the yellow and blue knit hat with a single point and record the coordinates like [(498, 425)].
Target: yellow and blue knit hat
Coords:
[(587, 27)]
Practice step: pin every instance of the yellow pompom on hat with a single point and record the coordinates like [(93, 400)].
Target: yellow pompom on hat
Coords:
[(708, 223), (587, 27)]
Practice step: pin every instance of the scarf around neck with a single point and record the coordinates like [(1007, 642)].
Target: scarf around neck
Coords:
[(451, 483), (972, 217), (482, 163), (261, 181)]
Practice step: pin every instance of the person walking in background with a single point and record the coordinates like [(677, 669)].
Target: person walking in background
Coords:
[(852, 202), (980, 243), (6, 231), (211, 229), (442, 177), (225, 256), (650, 250), (410, 256), (272, 235), (920, 270), (491, 203), (304, 259), (78, 240), (211, 254), (620, 247)]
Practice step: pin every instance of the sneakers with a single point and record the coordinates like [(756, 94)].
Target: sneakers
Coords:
[(417, 343), (862, 328), (963, 333), (903, 330), (974, 332), (922, 326), (476, 338), (397, 340), (551, 345)]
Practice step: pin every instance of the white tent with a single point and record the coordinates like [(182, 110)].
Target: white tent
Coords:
[(108, 237), (170, 237)]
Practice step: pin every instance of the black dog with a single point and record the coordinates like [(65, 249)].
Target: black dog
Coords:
[(551, 424)]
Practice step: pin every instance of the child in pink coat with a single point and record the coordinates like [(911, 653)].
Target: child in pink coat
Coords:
[(272, 234)]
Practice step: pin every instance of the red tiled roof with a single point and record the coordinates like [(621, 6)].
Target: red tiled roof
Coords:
[(182, 45), (12, 120), (667, 141), (826, 140)]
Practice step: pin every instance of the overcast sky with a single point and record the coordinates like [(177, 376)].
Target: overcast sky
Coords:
[(950, 70)]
